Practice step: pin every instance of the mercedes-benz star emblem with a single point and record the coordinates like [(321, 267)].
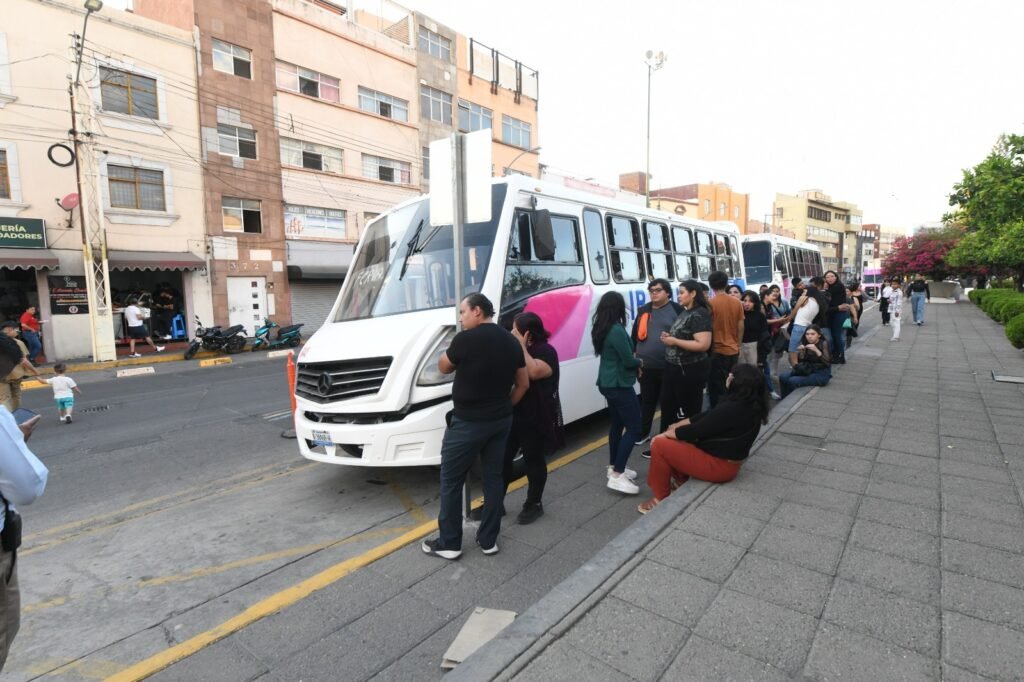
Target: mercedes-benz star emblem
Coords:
[(324, 384)]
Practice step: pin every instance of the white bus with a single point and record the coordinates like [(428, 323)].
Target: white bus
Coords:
[(368, 391), (771, 259)]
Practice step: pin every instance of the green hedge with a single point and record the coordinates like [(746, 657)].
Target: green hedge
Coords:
[(1009, 308), (1015, 331), (995, 298)]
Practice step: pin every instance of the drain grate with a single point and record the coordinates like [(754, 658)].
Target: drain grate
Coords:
[(97, 408)]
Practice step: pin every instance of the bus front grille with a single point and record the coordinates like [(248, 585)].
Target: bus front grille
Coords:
[(325, 382)]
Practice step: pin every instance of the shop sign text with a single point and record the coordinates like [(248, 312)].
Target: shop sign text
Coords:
[(23, 233), (68, 295)]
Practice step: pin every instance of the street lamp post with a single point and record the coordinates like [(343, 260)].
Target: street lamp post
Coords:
[(508, 168), (654, 62)]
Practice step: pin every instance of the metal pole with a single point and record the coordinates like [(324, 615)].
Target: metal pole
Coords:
[(647, 176)]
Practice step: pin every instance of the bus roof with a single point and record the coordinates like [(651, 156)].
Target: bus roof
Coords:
[(779, 239)]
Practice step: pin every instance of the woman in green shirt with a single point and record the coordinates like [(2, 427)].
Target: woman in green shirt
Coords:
[(616, 375)]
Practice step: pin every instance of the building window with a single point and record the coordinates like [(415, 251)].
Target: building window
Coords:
[(5, 176), (310, 221), (310, 155), (232, 59), (124, 92), (386, 170), (707, 208), (241, 215), (819, 214), (138, 188), (721, 209), (736, 212), (383, 105), (236, 141), (306, 82), (515, 132), (473, 117), (435, 105), (435, 45), (426, 163)]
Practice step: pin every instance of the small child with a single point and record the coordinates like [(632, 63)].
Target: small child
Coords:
[(64, 389), (896, 311)]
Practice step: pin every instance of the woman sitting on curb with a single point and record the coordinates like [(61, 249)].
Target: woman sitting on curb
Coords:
[(710, 446), (813, 363)]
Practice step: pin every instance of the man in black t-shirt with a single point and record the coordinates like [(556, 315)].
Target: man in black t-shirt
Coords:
[(490, 377)]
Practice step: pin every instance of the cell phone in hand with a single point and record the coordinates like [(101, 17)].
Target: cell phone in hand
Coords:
[(21, 415)]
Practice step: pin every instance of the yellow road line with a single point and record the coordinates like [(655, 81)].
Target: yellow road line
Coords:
[(291, 595), (211, 362), (414, 510)]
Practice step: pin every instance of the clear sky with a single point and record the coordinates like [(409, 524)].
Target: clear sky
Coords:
[(877, 102)]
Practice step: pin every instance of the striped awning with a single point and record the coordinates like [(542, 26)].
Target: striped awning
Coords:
[(25, 259), (154, 260)]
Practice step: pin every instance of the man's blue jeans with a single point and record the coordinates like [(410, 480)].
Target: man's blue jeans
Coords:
[(31, 340), (837, 334), (917, 301), (463, 441), (789, 382), (624, 414)]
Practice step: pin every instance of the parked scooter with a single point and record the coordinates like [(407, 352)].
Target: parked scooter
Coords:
[(230, 340), (287, 337)]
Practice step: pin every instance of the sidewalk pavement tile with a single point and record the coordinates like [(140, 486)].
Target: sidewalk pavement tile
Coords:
[(628, 638), (993, 511), (781, 583), (785, 453), (891, 574), (863, 438), (700, 556), (704, 661), (993, 602), (825, 498), (919, 547), (836, 480), (775, 467), (804, 549), (952, 673), (842, 654), (425, 656), (904, 493), (995, 492), (900, 472), (983, 562), (983, 532), (813, 520), (457, 587), (981, 472), (231, 660), (774, 634), (928, 447), (723, 525), (754, 505), (850, 450), (850, 465), (982, 647), (561, 662), (756, 481), (952, 443), (668, 592)]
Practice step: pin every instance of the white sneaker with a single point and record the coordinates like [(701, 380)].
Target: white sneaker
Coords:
[(628, 473), (167, 337), (160, 349), (642, 441), (135, 355), (623, 485)]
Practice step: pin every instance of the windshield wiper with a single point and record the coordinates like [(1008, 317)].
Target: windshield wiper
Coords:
[(410, 250)]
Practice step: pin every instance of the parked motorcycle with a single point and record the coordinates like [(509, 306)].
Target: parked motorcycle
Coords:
[(230, 340), (287, 337)]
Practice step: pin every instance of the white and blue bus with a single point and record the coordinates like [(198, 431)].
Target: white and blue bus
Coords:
[(369, 392), (771, 259)]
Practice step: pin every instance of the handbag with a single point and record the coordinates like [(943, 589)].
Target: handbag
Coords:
[(802, 369), (847, 323)]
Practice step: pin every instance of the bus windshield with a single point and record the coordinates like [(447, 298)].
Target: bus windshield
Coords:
[(405, 264), (757, 261)]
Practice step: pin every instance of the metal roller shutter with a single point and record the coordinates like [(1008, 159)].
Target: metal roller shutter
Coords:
[(312, 301)]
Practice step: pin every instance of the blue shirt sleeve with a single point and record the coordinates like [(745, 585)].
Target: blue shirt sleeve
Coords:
[(22, 475)]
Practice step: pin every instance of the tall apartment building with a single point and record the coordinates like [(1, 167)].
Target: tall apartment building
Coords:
[(318, 117), (704, 201), (815, 217), (142, 186)]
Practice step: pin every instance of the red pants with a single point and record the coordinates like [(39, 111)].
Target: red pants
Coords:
[(681, 459)]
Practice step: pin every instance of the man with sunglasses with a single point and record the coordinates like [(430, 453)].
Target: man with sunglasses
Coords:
[(651, 320)]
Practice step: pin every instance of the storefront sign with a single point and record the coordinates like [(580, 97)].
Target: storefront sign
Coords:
[(68, 295), (23, 233)]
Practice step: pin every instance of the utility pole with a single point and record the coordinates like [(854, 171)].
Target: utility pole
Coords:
[(654, 62), (90, 212)]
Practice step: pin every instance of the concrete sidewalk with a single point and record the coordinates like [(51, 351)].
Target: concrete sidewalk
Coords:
[(877, 533)]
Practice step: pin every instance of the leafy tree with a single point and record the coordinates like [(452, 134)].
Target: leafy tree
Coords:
[(923, 253), (989, 202)]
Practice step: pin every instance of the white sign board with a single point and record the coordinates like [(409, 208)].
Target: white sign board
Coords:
[(476, 176), (441, 182)]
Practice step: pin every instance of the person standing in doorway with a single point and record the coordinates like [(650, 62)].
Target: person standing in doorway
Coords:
[(30, 333), (727, 330), (883, 301), (10, 387), (137, 329), (164, 308), (652, 320), (919, 292), (490, 379)]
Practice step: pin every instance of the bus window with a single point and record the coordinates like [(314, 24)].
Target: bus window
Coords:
[(705, 266), (685, 268), (724, 263), (704, 243), (655, 237), (720, 246), (682, 240), (626, 254), (540, 262), (757, 262), (659, 260), (596, 250), (734, 250)]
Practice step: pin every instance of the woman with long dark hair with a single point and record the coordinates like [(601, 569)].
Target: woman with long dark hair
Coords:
[(813, 363), (756, 331), (838, 314), (537, 418), (712, 445), (616, 375), (687, 344)]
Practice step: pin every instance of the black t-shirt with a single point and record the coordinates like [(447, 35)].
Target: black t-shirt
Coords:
[(486, 359)]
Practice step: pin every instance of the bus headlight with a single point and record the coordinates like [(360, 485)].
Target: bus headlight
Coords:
[(429, 374)]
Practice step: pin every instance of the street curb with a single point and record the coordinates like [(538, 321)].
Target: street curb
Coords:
[(544, 622)]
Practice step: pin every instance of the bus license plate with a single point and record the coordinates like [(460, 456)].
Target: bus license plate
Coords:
[(322, 438)]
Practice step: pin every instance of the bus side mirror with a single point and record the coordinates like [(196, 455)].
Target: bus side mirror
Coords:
[(543, 236)]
